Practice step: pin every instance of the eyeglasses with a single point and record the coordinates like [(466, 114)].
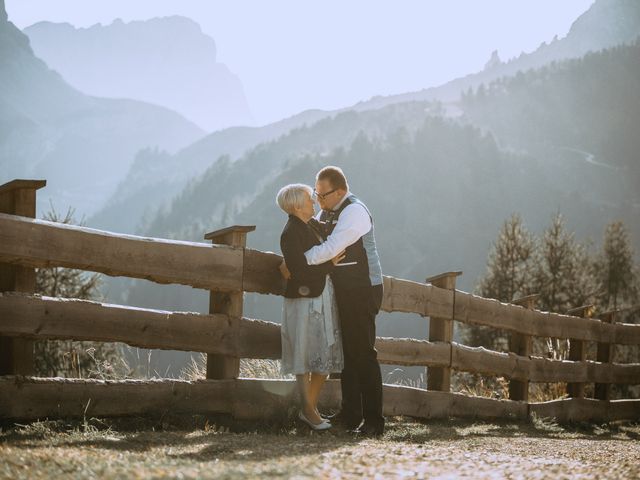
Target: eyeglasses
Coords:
[(322, 196)]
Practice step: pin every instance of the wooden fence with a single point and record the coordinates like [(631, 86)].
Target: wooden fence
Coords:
[(227, 269)]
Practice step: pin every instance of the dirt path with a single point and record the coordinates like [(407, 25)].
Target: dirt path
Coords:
[(409, 449)]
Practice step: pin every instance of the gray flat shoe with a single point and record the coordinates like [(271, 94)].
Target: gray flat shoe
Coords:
[(324, 425)]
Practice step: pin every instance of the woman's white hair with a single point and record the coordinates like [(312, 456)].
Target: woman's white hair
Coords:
[(292, 196)]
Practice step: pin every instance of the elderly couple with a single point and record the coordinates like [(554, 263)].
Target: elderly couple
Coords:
[(333, 294)]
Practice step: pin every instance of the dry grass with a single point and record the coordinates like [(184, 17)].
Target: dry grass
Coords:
[(198, 447), (249, 368)]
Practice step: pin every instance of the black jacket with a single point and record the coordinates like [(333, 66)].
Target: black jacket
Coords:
[(306, 280)]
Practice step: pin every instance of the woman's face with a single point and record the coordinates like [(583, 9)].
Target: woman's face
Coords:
[(307, 211)]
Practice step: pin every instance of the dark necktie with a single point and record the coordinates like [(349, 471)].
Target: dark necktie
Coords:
[(328, 222)]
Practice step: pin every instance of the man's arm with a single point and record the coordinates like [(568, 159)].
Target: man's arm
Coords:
[(353, 223)]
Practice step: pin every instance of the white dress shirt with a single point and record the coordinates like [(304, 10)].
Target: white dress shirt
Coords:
[(353, 223)]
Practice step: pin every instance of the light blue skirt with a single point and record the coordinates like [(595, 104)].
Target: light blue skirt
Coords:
[(311, 340)]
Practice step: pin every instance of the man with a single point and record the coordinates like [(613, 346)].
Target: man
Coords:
[(347, 225)]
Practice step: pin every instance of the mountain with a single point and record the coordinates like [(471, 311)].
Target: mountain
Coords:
[(605, 24), (579, 111), (156, 177), (82, 145), (199, 208), (165, 61), (153, 187)]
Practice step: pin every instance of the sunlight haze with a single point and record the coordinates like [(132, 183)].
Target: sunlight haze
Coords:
[(292, 56)]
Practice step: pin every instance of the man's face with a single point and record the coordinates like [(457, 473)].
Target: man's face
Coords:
[(327, 196)]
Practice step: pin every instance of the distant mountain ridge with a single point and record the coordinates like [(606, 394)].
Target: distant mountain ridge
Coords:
[(81, 145), (606, 23), (154, 177), (597, 108), (166, 61)]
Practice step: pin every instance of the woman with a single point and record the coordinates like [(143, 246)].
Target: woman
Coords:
[(311, 343)]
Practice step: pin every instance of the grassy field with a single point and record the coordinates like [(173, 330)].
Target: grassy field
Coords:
[(198, 447)]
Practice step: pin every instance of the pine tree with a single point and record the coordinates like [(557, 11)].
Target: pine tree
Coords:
[(509, 275), (561, 270), (614, 269), (563, 276), (510, 272), (618, 287)]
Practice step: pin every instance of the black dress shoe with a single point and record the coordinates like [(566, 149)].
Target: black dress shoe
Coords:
[(370, 431), (347, 423)]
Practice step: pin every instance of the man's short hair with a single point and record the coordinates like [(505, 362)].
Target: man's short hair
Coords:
[(292, 196), (335, 176)]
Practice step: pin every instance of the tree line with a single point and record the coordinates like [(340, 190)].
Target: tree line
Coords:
[(566, 274)]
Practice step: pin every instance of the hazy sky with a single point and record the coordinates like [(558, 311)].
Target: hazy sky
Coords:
[(293, 55)]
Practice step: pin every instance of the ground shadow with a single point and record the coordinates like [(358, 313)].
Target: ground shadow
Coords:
[(420, 431), (207, 438)]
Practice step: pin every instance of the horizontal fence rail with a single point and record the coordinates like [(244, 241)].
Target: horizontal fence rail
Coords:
[(34, 398), (64, 319), (30, 398), (38, 243), (37, 317), (476, 310)]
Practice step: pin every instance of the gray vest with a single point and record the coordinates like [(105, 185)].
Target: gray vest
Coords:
[(361, 265)]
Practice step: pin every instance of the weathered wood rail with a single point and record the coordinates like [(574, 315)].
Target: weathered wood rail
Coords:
[(33, 317), (27, 243), (29, 398)]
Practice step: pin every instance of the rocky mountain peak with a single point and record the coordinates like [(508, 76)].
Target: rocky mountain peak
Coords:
[(166, 61), (494, 61)]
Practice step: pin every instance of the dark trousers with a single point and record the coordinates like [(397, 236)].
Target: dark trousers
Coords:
[(361, 380)]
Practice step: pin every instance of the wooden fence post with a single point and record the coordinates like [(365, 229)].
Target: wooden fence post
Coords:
[(521, 344), (578, 350), (18, 197), (441, 330), (605, 355), (230, 303)]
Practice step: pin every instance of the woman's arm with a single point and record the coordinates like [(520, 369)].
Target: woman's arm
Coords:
[(291, 244)]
